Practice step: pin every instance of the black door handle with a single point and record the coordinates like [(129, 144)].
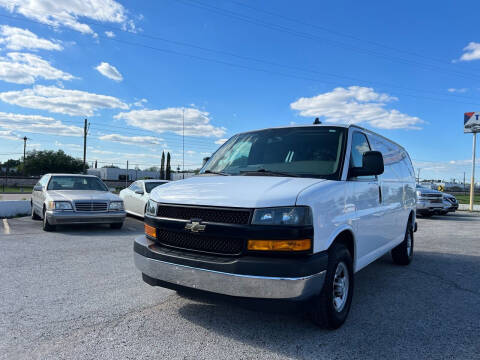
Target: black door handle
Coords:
[(379, 194)]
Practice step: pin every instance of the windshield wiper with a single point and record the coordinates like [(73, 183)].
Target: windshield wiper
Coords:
[(265, 172), (215, 173)]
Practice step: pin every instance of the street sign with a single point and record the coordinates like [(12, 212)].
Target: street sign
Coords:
[(471, 122)]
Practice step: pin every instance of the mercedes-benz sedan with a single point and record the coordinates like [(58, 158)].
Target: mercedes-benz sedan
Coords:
[(60, 199)]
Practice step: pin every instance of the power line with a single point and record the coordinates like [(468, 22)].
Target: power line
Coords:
[(309, 36), (449, 96)]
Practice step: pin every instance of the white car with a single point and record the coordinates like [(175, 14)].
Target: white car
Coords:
[(284, 213), (135, 197)]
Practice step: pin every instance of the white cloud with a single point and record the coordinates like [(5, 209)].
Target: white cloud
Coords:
[(110, 34), (197, 123), (140, 103), (220, 141), (9, 135), (68, 12), (58, 100), (454, 90), (37, 124), (23, 68), (472, 52), (355, 105), (132, 140), (15, 38), (109, 71)]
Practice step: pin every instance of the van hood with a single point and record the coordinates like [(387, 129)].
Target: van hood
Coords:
[(233, 191)]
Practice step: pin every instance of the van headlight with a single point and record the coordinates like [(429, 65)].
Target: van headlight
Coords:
[(294, 215), (151, 208), (419, 193), (116, 206)]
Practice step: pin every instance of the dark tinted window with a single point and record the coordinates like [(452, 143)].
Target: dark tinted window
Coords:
[(149, 186), (300, 151)]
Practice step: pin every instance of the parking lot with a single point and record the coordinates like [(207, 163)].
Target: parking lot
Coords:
[(75, 293)]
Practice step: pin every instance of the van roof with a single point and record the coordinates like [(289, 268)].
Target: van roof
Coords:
[(345, 126)]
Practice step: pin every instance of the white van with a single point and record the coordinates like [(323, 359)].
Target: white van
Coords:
[(284, 213)]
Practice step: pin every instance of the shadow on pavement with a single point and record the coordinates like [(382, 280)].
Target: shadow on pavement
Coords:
[(425, 310)]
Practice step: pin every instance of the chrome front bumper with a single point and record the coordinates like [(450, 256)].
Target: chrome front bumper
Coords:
[(231, 284), (74, 217)]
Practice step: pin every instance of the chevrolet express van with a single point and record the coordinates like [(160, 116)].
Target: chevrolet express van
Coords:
[(284, 213)]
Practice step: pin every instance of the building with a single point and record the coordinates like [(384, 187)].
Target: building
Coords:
[(116, 174)]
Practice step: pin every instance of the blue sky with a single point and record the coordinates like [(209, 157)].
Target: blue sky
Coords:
[(408, 70)]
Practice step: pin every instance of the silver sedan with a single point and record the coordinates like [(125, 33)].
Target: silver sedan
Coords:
[(60, 199)]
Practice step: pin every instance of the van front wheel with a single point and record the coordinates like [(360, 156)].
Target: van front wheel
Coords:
[(330, 308), (403, 253)]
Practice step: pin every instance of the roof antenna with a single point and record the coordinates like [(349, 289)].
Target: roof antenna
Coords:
[(317, 121)]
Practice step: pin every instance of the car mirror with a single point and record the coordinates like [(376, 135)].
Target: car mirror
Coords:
[(139, 192), (38, 188), (372, 165)]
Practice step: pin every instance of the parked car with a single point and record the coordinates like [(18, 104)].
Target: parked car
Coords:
[(284, 213), (61, 199), (450, 204), (429, 201), (136, 196)]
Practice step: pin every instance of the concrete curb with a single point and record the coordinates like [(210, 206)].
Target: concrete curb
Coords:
[(14, 208), (465, 207)]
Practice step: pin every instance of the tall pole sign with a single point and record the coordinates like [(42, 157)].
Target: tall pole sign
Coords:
[(471, 124)]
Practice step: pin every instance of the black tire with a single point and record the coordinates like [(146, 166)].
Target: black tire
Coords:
[(323, 312), (116, 225), (46, 225), (34, 214), (403, 253)]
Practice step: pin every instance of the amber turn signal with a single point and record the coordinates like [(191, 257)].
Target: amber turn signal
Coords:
[(280, 245), (150, 231)]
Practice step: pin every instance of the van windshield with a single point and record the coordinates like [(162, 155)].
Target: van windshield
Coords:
[(300, 151)]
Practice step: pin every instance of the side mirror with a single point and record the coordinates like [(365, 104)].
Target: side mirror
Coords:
[(205, 159), (38, 188), (372, 165), (139, 192)]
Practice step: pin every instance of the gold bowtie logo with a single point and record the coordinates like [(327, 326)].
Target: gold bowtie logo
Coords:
[(195, 227)]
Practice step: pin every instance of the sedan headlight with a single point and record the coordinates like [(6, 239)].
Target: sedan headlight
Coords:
[(59, 205), (419, 193), (151, 208), (116, 206), (294, 215)]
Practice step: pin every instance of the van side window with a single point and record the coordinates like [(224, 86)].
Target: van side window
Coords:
[(359, 147)]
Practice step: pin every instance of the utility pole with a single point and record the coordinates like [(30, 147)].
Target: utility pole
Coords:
[(418, 178), (85, 133), (126, 177), (472, 185), (24, 152), (183, 139), (464, 192)]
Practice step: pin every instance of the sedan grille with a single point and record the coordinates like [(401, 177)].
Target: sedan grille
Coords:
[(432, 195), (224, 216), (91, 206), (200, 242)]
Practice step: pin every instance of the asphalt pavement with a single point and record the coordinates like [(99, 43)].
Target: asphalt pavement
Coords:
[(75, 294)]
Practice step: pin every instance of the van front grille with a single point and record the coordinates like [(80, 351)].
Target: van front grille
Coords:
[(224, 216), (91, 206), (200, 242)]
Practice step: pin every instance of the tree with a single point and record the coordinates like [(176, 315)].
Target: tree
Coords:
[(49, 161), (152, 168), (162, 167), (168, 169), (110, 167)]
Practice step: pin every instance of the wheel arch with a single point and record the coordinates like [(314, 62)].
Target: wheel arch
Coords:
[(345, 236)]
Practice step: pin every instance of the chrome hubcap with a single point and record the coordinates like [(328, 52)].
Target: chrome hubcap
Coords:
[(340, 287)]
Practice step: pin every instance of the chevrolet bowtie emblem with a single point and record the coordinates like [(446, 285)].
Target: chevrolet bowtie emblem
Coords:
[(195, 226)]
